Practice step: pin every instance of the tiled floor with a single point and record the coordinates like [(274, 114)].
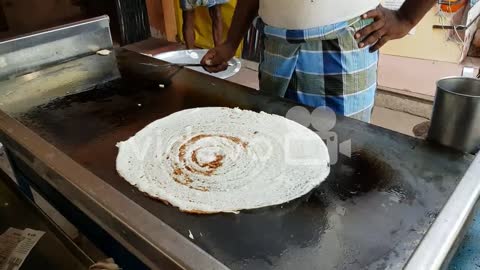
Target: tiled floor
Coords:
[(387, 118), (397, 121), (468, 254), (246, 77)]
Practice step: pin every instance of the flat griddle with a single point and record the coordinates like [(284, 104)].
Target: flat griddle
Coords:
[(371, 213)]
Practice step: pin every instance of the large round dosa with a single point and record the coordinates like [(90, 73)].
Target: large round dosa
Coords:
[(210, 160)]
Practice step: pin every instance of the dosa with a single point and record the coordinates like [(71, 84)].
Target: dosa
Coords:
[(212, 160)]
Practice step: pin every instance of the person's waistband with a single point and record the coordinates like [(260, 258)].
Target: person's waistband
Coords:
[(304, 34)]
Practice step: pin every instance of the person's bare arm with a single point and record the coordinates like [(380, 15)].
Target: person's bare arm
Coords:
[(217, 58), (414, 10), (245, 12), (390, 24)]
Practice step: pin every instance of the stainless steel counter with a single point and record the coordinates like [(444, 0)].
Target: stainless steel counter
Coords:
[(374, 211)]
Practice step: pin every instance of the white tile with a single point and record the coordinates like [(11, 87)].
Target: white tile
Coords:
[(246, 77), (396, 121)]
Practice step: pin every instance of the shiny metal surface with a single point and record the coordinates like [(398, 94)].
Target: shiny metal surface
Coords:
[(27, 53), (194, 57), (147, 237), (456, 114), (45, 71), (436, 247), (372, 211), (17, 95)]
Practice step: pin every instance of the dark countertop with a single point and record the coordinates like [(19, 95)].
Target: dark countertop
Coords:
[(372, 211)]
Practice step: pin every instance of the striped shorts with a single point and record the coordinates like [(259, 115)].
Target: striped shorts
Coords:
[(192, 4), (320, 67)]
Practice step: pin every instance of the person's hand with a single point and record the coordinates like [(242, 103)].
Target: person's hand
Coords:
[(388, 24), (216, 59), (107, 264)]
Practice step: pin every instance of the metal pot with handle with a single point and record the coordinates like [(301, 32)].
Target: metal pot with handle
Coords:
[(456, 114)]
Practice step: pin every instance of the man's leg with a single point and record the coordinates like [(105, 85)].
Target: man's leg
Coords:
[(189, 28), (217, 24), (333, 71), (278, 59), (360, 74)]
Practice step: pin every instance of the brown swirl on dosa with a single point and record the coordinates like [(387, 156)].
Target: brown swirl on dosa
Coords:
[(209, 160)]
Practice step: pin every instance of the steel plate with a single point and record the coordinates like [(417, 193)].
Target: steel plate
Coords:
[(194, 57)]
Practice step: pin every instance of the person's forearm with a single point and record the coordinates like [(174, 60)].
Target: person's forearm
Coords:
[(414, 10), (245, 12)]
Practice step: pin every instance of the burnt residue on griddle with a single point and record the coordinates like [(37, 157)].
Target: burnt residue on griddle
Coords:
[(362, 173), (101, 93), (110, 105)]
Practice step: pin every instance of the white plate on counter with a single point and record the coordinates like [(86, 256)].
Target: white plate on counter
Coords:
[(194, 57)]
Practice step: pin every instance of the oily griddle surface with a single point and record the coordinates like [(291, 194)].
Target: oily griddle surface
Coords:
[(371, 212)]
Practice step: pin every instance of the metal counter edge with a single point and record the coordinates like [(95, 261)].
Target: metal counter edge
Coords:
[(150, 239), (435, 249)]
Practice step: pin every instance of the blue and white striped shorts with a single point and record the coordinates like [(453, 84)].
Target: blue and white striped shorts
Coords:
[(192, 4), (319, 67)]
